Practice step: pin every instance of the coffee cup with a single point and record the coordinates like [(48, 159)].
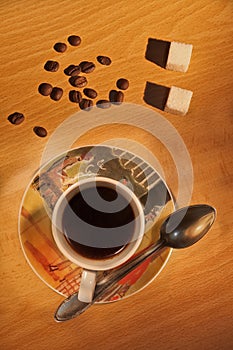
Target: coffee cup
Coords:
[(97, 223)]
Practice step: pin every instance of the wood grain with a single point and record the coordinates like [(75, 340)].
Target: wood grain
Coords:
[(189, 306)]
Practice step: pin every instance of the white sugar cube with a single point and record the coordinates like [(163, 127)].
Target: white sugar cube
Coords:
[(178, 101), (179, 56)]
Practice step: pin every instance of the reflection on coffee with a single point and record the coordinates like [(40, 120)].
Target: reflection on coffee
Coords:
[(90, 230)]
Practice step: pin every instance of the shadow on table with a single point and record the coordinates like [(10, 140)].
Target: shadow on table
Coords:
[(156, 95), (157, 51)]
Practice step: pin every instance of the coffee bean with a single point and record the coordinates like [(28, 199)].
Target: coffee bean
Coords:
[(40, 131), (119, 97), (45, 89), (72, 70), (112, 95), (78, 81), (16, 118), (91, 93), (87, 67), (60, 47), (86, 104), (116, 97), (75, 96), (74, 40), (56, 94), (103, 104), (106, 61), (51, 66), (122, 84), (72, 80)]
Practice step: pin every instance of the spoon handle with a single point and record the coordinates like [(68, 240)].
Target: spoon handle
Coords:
[(117, 274), (72, 307)]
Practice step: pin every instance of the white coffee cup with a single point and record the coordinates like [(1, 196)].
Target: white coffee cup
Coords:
[(89, 264)]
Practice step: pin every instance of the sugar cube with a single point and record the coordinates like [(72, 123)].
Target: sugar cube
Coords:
[(179, 56), (178, 101)]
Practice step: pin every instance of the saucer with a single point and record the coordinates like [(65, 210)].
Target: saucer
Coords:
[(55, 177)]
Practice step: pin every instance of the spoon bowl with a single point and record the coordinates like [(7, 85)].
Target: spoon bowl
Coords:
[(187, 226)]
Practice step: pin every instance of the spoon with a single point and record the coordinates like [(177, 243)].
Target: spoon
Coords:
[(181, 229)]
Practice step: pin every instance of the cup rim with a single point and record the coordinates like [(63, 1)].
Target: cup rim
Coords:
[(97, 264)]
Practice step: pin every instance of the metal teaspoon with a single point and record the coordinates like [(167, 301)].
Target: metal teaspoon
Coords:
[(181, 229)]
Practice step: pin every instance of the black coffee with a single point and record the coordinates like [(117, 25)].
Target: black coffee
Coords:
[(93, 232)]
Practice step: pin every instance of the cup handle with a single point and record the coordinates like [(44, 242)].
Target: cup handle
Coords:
[(87, 286)]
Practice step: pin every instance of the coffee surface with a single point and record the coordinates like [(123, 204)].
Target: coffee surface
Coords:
[(90, 230)]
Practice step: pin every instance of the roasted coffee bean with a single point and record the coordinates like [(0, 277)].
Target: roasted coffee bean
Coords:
[(112, 95), (119, 97), (74, 40), (72, 70), (91, 93), (106, 61), (103, 104), (45, 89), (72, 80), (60, 47), (78, 81), (51, 66), (75, 96), (116, 97), (56, 94), (87, 67), (122, 84), (40, 131), (16, 118), (86, 104)]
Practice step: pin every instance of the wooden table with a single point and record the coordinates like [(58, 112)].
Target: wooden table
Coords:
[(190, 304)]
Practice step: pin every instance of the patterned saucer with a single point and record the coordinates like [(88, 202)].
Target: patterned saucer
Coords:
[(53, 178)]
